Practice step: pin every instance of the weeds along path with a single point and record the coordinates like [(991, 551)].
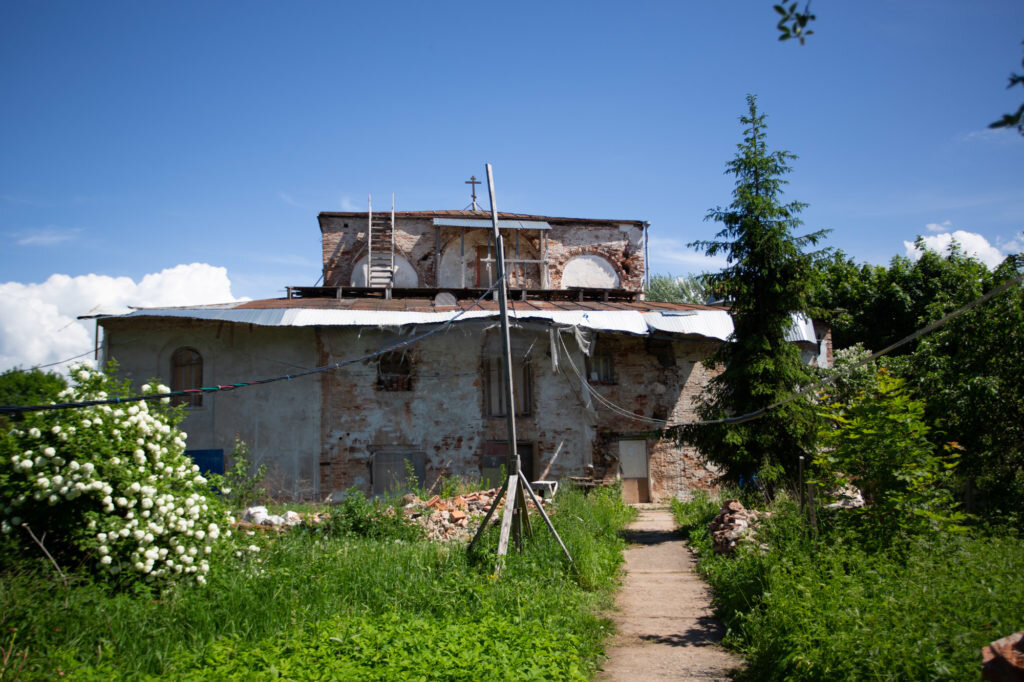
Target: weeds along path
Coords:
[(666, 630)]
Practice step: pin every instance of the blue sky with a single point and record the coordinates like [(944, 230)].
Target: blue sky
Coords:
[(137, 137)]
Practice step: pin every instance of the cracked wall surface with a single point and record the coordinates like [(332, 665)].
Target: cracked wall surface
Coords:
[(418, 241), (319, 434)]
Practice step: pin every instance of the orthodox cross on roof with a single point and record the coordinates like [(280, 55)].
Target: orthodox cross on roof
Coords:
[(473, 182)]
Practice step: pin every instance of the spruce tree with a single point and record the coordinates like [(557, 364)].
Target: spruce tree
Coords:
[(767, 278)]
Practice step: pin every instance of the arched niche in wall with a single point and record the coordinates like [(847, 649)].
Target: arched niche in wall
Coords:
[(590, 271), (406, 276), (478, 272)]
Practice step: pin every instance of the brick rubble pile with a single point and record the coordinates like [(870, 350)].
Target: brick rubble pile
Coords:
[(733, 525), (453, 519)]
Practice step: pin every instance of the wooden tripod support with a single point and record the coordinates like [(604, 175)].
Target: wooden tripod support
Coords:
[(515, 519)]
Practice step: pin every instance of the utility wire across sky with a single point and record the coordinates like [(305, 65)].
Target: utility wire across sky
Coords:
[(618, 409)]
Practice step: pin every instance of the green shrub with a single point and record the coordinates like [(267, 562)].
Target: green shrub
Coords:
[(242, 484), (830, 609), (109, 487), (359, 517), (879, 441)]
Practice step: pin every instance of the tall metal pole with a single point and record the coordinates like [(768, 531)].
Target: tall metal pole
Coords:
[(514, 518), (512, 459)]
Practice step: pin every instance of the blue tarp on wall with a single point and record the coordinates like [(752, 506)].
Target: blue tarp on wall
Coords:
[(209, 461)]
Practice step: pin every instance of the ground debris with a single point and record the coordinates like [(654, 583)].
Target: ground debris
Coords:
[(453, 519), (733, 525)]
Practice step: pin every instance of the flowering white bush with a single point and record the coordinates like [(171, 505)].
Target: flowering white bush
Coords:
[(111, 485)]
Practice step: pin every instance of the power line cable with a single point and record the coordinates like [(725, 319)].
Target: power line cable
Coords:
[(52, 364), (14, 409), (618, 409), (757, 414), (927, 329)]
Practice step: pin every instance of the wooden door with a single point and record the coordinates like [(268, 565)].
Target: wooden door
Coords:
[(633, 469)]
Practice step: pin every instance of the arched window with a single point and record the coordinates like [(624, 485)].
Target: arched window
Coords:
[(187, 373)]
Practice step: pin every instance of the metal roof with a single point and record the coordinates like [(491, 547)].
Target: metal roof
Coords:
[(802, 329), (503, 215), (715, 324), (504, 224), (638, 318)]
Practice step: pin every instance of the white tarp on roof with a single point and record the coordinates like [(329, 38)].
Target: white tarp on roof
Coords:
[(802, 329), (714, 324)]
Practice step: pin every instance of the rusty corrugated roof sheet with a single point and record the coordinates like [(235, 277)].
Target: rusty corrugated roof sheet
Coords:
[(480, 215)]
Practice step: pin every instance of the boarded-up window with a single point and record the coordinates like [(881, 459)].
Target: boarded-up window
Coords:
[(493, 463), (394, 371), (394, 471), (493, 366), (494, 387), (187, 373)]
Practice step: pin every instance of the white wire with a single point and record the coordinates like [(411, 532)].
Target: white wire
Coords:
[(618, 409)]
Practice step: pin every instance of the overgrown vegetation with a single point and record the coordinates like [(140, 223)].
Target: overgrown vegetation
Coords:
[(242, 484), (879, 442), (829, 608), (971, 369), (336, 602), (669, 289), (358, 517)]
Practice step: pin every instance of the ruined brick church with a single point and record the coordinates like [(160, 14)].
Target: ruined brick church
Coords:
[(598, 371)]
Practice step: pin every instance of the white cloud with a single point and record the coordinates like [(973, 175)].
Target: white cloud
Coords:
[(972, 243), (38, 322), (288, 199), (347, 204), (45, 236), (944, 226), (1015, 245)]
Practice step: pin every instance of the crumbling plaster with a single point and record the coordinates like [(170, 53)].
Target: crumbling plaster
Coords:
[(416, 240), (280, 422), (318, 433), (652, 382)]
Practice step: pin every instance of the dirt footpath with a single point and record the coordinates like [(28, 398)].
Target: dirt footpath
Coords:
[(666, 630)]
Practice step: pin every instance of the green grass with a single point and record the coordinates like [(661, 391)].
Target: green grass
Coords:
[(827, 609), (319, 606)]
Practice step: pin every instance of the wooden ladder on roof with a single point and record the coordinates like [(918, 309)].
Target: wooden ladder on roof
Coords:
[(380, 250)]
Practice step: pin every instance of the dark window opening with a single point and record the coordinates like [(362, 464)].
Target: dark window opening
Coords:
[(601, 369), (186, 374), (394, 371)]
